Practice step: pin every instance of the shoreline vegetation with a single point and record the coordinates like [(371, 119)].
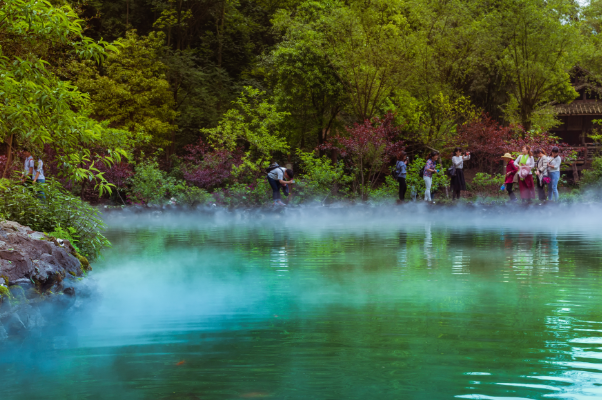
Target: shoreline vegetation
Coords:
[(162, 109)]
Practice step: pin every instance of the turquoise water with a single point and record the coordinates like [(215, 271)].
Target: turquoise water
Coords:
[(345, 306)]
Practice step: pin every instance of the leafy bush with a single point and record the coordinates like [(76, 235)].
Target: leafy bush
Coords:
[(321, 178), (487, 185), (149, 185), (386, 193), (152, 186), (189, 195), (592, 178), (60, 211), (245, 195)]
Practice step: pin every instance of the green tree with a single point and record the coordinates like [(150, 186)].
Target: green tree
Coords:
[(37, 107), (131, 92), (542, 45), (253, 123), (368, 45)]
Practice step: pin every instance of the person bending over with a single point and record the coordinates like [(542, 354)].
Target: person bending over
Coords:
[(279, 178)]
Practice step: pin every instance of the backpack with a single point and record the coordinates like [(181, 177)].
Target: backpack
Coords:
[(451, 171), (421, 172), (396, 171), (271, 168)]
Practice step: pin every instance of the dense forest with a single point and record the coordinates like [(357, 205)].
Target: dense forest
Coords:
[(143, 101)]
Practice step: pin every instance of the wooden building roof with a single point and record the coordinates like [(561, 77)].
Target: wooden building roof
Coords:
[(580, 107)]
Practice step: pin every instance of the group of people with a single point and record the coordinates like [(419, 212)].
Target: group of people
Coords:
[(33, 172), (519, 170)]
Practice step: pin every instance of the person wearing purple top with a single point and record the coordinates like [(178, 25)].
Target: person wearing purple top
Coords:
[(429, 169)]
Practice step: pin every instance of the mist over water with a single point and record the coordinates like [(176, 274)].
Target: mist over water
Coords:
[(407, 302)]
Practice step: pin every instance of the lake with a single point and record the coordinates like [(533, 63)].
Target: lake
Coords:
[(341, 304)]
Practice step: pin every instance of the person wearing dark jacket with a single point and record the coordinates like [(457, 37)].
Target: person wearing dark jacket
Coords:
[(457, 180)]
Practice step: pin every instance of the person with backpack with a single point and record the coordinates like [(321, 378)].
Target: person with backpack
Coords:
[(277, 178), (429, 169), (554, 173), (400, 174), (457, 172)]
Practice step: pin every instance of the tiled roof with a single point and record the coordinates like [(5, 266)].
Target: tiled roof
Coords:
[(579, 107)]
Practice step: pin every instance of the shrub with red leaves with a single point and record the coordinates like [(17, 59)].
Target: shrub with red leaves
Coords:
[(366, 148), (487, 140), (208, 168)]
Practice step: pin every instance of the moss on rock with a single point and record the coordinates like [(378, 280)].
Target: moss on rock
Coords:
[(85, 264)]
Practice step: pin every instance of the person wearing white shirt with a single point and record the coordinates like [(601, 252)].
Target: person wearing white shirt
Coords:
[(525, 164), (457, 180), (27, 166), (554, 173), (541, 169)]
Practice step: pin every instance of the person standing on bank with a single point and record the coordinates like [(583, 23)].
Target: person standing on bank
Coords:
[(277, 176), (28, 167), (525, 164), (511, 171), (541, 169), (400, 174), (429, 169), (457, 181), (39, 178), (554, 173)]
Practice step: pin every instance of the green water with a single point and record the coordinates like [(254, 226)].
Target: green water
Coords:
[(195, 307)]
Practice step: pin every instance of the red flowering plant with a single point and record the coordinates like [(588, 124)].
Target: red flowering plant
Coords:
[(366, 149), (208, 168), (487, 140)]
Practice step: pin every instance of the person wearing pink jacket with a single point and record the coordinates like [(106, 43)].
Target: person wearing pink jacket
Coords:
[(511, 170)]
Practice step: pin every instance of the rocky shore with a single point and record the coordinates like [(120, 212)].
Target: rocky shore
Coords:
[(37, 273)]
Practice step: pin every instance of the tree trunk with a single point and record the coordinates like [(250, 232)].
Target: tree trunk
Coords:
[(9, 157)]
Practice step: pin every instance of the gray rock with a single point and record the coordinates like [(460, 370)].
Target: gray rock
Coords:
[(25, 253)]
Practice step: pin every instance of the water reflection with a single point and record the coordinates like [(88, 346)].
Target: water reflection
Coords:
[(227, 310)]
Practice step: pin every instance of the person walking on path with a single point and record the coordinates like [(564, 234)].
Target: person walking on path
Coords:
[(511, 171), (400, 174), (429, 169), (525, 164), (457, 180), (554, 173), (277, 178), (541, 169)]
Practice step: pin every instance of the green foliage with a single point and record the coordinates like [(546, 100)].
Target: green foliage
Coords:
[(131, 90), (488, 185), (321, 178), (367, 44), (68, 233), (591, 179), (388, 192), (60, 212), (153, 186), (39, 108), (189, 195), (254, 123), (247, 195), (149, 185), (543, 45)]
